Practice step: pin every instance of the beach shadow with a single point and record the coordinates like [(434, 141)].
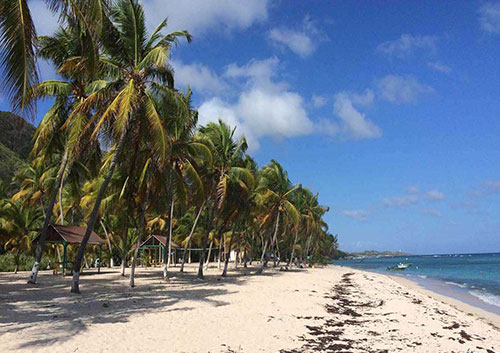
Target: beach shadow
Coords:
[(105, 298)]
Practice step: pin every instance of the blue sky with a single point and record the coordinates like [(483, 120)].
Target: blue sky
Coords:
[(388, 109)]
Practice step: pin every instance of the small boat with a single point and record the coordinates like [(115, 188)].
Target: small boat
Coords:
[(399, 267)]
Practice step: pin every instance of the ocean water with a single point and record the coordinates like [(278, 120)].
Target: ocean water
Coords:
[(472, 278)]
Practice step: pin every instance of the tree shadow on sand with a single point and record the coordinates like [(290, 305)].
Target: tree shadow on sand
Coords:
[(106, 298)]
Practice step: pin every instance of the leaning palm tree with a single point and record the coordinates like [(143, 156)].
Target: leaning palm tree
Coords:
[(130, 98), (18, 41), (275, 194), (227, 154), (57, 137)]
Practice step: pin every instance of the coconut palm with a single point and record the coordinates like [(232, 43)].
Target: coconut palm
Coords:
[(57, 137), (275, 195), (130, 99), (18, 41), (21, 223), (227, 154)]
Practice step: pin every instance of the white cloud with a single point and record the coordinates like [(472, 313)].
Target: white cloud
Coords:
[(46, 21), (318, 101), (199, 77), (365, 98), (359, 215), (408, 44), (401, 89), (200, 16), (265, 107), (401, 201), (434, 195), (298, 41), (487, 188), (439, 67), (489, 17), (432, 212), (413, 196), (353, 123)]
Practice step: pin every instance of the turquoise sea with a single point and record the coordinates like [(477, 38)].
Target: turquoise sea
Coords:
[(471, 278)]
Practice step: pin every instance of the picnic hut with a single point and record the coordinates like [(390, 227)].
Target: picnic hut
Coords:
[(156, 246), (67, 235)]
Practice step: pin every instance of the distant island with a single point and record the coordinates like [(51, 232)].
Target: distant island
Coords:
[(374, 253)]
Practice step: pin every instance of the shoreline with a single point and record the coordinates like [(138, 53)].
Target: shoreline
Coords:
[(331, 308), (447, 294), (490, 317)]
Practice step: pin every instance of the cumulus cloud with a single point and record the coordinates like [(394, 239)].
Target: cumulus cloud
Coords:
[(407, 44), (198, 77), (359, 215), (434, 195), (264, 107), (302, 42), (413, 196), (432, 212), (318, 101), (401, 89), (352, 122), (401, 201), (489, 17), (200, 16), (436, 66)]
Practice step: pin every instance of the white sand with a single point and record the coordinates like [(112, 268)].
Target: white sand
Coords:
[(296, 311)]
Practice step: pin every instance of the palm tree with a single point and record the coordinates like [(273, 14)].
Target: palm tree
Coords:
[(227, 154), (130, 99), (275, 191), (57, 135), (21, 223), (18, 41)]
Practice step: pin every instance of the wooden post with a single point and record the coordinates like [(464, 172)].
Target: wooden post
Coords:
[(65, 245)]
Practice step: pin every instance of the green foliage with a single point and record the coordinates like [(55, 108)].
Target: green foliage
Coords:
[(7, 262)]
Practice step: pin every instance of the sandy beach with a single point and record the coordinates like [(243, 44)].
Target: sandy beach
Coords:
[(330, 309)]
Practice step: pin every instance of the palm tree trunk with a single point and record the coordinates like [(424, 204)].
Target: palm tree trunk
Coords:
[(61, 213), (139, 238), (263, 259), (170, 226), (238, 240), (228, 252), (293, 247), (109, 244), (48, 216), (219, 255), (209, 253), (124, 263), (204, 241), (93, 216), (190, 235), (16, 262)]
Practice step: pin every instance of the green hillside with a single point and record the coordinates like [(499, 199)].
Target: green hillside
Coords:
[(16, 138), (16, 134)]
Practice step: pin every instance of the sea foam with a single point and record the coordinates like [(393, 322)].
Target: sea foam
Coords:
[(486, 297)]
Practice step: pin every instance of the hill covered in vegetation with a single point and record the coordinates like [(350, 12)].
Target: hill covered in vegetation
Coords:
[(15, 144), (374, 253)]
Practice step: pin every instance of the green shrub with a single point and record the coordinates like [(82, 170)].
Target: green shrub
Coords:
[(25, 262)]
